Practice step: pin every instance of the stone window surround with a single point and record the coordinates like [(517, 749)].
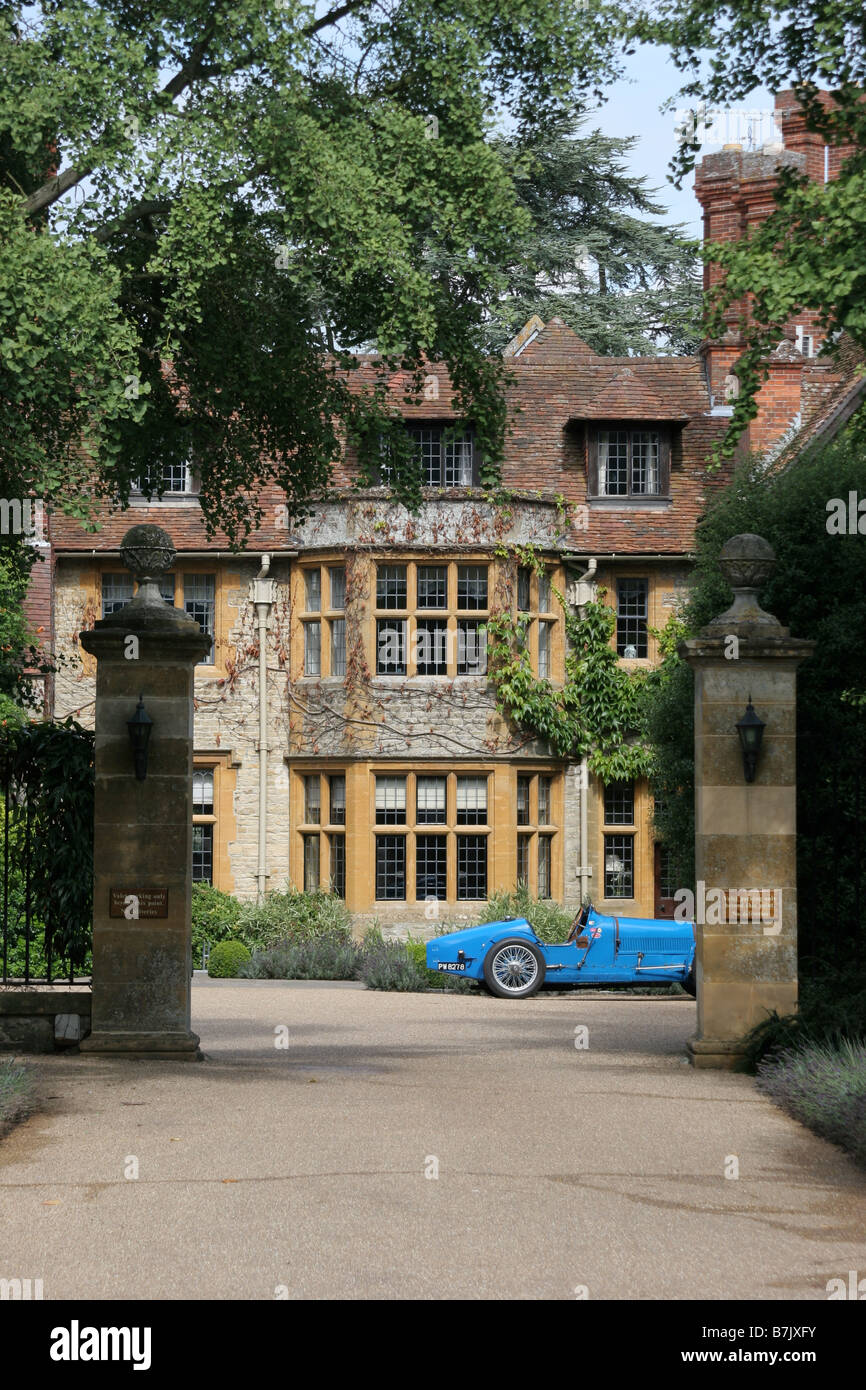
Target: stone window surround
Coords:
[(529, 831), (326, 829), (223, 765), (361, 831), (325, 615), (412, 830), (611, 570), (641, 836), (411, 615)]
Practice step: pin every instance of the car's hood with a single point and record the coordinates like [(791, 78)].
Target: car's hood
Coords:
[(641, 923), (473, 938)]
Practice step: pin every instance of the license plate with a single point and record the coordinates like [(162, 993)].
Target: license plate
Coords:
[(452, 965)]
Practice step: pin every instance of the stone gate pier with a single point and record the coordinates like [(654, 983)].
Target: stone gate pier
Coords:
[(745, 664), (142, 851)]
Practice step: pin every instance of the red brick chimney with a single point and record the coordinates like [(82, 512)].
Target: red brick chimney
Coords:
[(735, 187), (823, 161)]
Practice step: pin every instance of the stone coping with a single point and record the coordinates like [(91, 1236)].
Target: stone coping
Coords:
[(44, 1000), (754, 646)]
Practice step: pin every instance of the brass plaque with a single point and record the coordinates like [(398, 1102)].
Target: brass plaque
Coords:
[(136, 904)]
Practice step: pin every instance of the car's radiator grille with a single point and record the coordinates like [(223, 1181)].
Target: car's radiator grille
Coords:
[(667, 945)]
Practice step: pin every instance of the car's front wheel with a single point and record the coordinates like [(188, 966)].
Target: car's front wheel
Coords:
[(513, 969)]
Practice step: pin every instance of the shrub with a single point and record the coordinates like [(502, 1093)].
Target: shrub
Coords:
[(226, 959), (294, 916), (417, 952), (402, 966), (389, 965), (280, 918), (326, 957), (824, 1086), (215, 918), (547, 918), (832, 1006)]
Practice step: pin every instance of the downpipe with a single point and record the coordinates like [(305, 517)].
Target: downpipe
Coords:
[(582, 591), (263, 598)]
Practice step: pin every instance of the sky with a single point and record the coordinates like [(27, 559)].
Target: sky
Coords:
[(632, 109)]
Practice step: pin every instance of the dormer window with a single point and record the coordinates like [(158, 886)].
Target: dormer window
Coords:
[(629, 463), (173, 479), (177, 477), (447, 454)]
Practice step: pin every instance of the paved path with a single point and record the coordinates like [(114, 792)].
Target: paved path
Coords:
[(304, 1167)]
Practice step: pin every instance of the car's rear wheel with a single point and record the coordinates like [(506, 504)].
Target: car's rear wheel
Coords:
[(690, 984), (513, 969)]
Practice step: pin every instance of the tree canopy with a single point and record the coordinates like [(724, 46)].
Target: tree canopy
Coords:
[(207, 207), (593, 255)]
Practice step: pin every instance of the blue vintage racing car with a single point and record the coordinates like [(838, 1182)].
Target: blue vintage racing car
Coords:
[(511, 960)]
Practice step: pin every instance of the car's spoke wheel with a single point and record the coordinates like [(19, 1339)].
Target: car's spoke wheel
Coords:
[(513, 969)]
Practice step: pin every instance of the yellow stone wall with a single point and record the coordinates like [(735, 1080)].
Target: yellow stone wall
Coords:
[(438, 724)]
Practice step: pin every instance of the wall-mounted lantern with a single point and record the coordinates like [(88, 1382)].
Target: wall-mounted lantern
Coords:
[(751, 730), (139, 727)]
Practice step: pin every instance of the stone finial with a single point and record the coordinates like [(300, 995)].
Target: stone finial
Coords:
[(747, 562), (148, 552)]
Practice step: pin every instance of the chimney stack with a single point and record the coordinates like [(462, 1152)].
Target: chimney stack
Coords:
[(736, 191)]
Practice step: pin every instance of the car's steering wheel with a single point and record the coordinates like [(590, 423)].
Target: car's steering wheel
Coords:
[(579, 923)]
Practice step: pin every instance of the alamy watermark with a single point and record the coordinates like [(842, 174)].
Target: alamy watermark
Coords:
[(434, 650), (854, 1289), (77, 1343), (846, 518), (715, 907), (738, 125), (20, 1290), (23, 516)]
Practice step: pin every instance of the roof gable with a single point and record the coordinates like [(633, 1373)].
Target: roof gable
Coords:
[(628, 395), (551, 344)]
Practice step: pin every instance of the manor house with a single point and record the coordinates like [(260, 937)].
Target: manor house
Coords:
[(346, 733)]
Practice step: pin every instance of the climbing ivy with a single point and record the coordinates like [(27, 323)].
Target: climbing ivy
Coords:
[(596, 713)]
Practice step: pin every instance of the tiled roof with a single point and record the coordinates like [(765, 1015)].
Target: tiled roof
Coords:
[(628, 395), (834, 399), (557, 382)]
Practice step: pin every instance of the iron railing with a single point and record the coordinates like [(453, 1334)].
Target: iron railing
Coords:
[(42, 940)]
